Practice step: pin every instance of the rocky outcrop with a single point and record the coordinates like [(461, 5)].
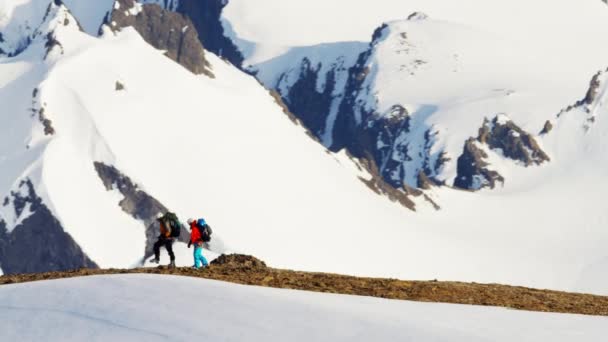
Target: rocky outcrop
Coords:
[(591, 97), (238, 261), (205, 15), (165, 30), (547, 128), (304, 98), (136, 203), (472, 169), (593, 92), (502, 134), (38, 243)]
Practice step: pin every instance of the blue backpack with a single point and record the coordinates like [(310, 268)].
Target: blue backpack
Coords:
[(205, 230)]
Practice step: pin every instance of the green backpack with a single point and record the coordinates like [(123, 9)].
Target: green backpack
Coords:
[(173, 223)]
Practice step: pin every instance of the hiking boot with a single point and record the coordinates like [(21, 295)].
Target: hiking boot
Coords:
[(154, 260), (172, 264)]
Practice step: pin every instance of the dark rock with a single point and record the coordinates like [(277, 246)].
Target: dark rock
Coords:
[(48, 124), (417, 16), (119, 86), (593, 90), (378, 32), (513, 141), (165, 30), (51, 43), (39, 243), (378, 137), (303, 97), (499, 135), (206, 16), (548, 127), (424, 182), (472, 171), (379, 186)]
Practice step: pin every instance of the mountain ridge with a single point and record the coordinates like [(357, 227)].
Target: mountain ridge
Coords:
[(247, 270)]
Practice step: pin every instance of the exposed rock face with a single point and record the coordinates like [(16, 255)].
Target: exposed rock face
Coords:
[(381, 135), (205, 14), (304, 97), (473, 173), (38, 243), (165, 30), (513, 141), (394, 141), (592, 95), (499, 135), (593, 91), (136, 203)]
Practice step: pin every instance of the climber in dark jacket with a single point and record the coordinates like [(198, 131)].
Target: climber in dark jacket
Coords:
[(164, 239)]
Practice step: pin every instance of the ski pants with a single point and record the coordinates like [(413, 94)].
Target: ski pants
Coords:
[(199, 258), (168, 243)]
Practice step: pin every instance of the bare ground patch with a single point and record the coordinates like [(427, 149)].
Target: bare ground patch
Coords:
[(251, 271)]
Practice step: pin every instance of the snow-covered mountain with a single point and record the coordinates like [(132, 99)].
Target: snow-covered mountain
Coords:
[(195, 309), (115, 111), (409, 100)]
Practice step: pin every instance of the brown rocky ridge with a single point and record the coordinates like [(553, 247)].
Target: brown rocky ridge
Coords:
[(248, 270)]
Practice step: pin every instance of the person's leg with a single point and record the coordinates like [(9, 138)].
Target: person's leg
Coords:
[(169, 247), (203, 259), (196, 253), (156, 249)]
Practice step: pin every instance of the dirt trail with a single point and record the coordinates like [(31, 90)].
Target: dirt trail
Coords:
[(251, 271)]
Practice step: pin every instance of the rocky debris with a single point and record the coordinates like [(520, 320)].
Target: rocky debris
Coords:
[(503, 134), (39, 243), (377, 184), (547, 128), (119, 86), (238, 261), (424, 182), (472, 169), (136, 203), (256, 273), (46, 123), (165, 30), (40, 111)]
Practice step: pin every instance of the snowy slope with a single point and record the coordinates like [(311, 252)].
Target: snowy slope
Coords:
[(129, 307), (565, 24), (266, 187)]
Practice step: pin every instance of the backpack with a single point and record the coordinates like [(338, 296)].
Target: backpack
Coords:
[(206, 233), (172, 221)]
